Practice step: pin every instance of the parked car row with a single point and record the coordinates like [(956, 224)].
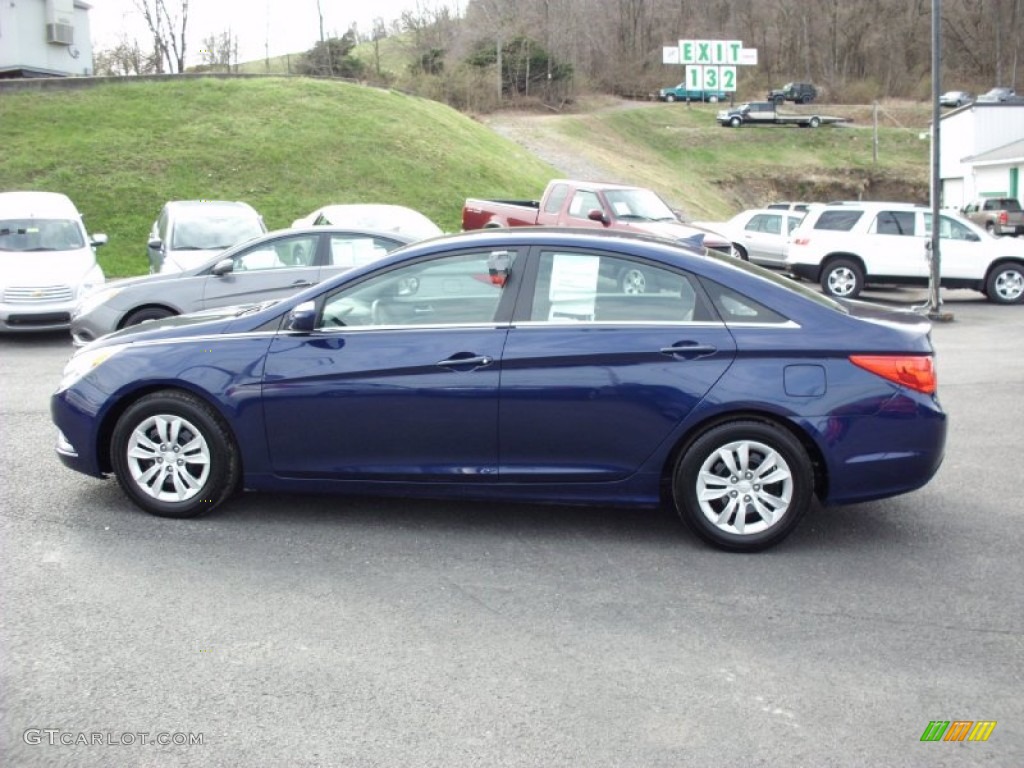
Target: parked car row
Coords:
[(847, 246), (321, 325), (203, 254)]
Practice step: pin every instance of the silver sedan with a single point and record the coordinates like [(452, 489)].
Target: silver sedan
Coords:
[(268, 267)]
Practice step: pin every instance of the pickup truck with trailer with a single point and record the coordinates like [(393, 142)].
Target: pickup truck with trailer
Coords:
[(592, 205), (998, 215), (767, 113)]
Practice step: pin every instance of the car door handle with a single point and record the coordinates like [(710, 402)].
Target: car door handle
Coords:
[(301, 284), (465, 360), (687, 350)]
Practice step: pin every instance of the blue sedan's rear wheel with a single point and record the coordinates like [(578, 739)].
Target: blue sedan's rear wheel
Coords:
[(173, 455), (743, 485)]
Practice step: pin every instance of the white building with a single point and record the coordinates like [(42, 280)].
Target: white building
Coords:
[(981, 153), (44, 38)]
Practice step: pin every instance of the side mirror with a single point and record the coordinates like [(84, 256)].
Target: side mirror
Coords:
[(98, 239), (302, 318), (973, 237), (222, 267), (597, 215)]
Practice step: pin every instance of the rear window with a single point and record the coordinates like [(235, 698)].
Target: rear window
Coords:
[(840, 221), (1002, 204)]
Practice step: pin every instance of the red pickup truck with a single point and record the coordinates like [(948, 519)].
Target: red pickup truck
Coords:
[(592, 205)]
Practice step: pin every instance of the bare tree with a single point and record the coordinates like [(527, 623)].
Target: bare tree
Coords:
[(220, 51), (167, 21), (126, 58)]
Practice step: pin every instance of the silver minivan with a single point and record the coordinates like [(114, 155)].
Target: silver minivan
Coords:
[(189, 232), (47, 261)]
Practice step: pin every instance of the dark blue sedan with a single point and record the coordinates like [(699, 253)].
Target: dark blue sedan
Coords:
[(511, 365)]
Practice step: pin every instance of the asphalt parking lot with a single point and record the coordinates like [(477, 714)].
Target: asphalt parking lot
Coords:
[(309, 631)]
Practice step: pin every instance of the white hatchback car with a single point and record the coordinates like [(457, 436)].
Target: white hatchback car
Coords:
[(47, 261), (189, 233)]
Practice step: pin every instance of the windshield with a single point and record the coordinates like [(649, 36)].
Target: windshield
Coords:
[(40, 235), (639, 204), (213, 232)]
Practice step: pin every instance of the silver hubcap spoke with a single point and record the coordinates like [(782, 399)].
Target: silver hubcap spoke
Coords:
[(168, 458), (745, 487)]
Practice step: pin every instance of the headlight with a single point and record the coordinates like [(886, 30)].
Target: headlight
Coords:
[(93, 279), (90, 301), (86, 361)]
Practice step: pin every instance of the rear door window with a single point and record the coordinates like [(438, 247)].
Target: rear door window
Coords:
[(895, 223), (838, 220)]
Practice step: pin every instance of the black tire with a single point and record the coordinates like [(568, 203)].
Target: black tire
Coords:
[(741, 252), (815, 122), (735, 122), (670, 98), (146, 313), (747, 516), (1005, 283), (712, 99), (175, 436), (843, 279), (633, 280), (991, 228)]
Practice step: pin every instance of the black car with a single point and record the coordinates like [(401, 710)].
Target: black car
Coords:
[(799, 93)]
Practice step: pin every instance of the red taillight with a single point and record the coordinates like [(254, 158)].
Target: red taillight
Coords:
[(914, 371), (1004, 218)]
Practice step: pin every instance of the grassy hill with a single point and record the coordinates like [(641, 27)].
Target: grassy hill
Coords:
[(284, 145), (712, 172), (288, 145)]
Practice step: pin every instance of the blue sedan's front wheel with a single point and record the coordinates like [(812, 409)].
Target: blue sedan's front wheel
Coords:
[(173, 455), (743, 485)]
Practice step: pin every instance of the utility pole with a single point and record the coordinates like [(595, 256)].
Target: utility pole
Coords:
[(934, 306)]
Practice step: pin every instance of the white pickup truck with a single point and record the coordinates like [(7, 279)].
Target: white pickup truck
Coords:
[(846, 246)]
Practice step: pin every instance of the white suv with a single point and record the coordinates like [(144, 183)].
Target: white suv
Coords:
[(845, 246)]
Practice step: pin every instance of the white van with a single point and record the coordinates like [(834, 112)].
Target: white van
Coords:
[(47, 261)]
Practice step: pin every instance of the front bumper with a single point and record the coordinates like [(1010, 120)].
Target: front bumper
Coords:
[(97, 322), (35, 317)]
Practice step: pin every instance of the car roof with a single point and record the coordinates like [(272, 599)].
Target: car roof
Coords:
[(595, 185), (383, 217), (774, 211), (870, 204), (220, 204), (25, 205)]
